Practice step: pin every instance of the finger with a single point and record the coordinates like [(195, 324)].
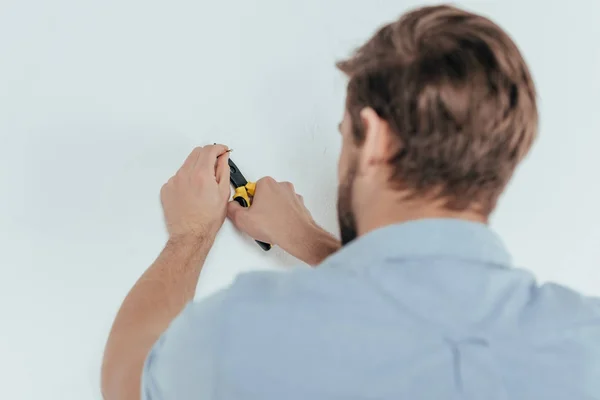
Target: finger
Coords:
[(208, 157), (288, 185), (238, 215), (222, 173), (267, 180), (301, 198), (262, 186), (191, 159)]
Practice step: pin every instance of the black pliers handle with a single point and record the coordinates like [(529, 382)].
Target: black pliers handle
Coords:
[(244, 192)]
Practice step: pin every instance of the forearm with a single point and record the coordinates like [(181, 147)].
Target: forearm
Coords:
[(153, 302), (313, 244)]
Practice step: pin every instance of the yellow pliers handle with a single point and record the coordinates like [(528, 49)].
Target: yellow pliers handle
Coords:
[(243, 195)]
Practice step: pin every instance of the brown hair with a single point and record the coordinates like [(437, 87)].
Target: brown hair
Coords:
[(455, 90)]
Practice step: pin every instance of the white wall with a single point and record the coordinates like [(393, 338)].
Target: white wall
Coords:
[(100, 101)]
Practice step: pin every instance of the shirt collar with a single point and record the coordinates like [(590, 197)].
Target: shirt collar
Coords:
[(453, 238)]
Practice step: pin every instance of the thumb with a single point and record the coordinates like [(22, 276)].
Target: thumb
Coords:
[(238, 215)]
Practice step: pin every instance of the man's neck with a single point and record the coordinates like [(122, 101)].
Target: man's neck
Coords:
[(401, 210)]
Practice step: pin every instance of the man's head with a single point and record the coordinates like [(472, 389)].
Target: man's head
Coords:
[(440, 109)]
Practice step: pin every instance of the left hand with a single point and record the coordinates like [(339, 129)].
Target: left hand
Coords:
[(195, 199)]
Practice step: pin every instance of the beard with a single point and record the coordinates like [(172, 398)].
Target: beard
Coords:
[(346, 217)]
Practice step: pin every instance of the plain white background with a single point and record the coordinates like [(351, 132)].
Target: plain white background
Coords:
[(100, 102)]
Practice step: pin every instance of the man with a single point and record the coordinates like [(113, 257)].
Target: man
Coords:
[(419, 300)]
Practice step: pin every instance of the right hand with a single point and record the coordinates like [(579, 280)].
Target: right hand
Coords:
[(277, 215)]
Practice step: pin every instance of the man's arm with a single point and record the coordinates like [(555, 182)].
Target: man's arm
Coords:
[(194, 203), (278, 216), (311, 244)]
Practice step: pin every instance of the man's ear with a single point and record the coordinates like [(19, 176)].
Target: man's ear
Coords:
[(377, 144)]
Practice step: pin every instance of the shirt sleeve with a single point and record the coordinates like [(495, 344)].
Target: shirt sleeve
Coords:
[(181, 364)]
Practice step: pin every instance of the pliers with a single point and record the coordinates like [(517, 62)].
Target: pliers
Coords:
[(244, 192)]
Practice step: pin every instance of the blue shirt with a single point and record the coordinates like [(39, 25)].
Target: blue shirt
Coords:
[(430, 309)]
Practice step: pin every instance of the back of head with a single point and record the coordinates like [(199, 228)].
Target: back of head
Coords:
[(458, 97)]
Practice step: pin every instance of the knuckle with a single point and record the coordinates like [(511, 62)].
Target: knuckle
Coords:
[(267, 180), (177, 178), (165, 187)]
